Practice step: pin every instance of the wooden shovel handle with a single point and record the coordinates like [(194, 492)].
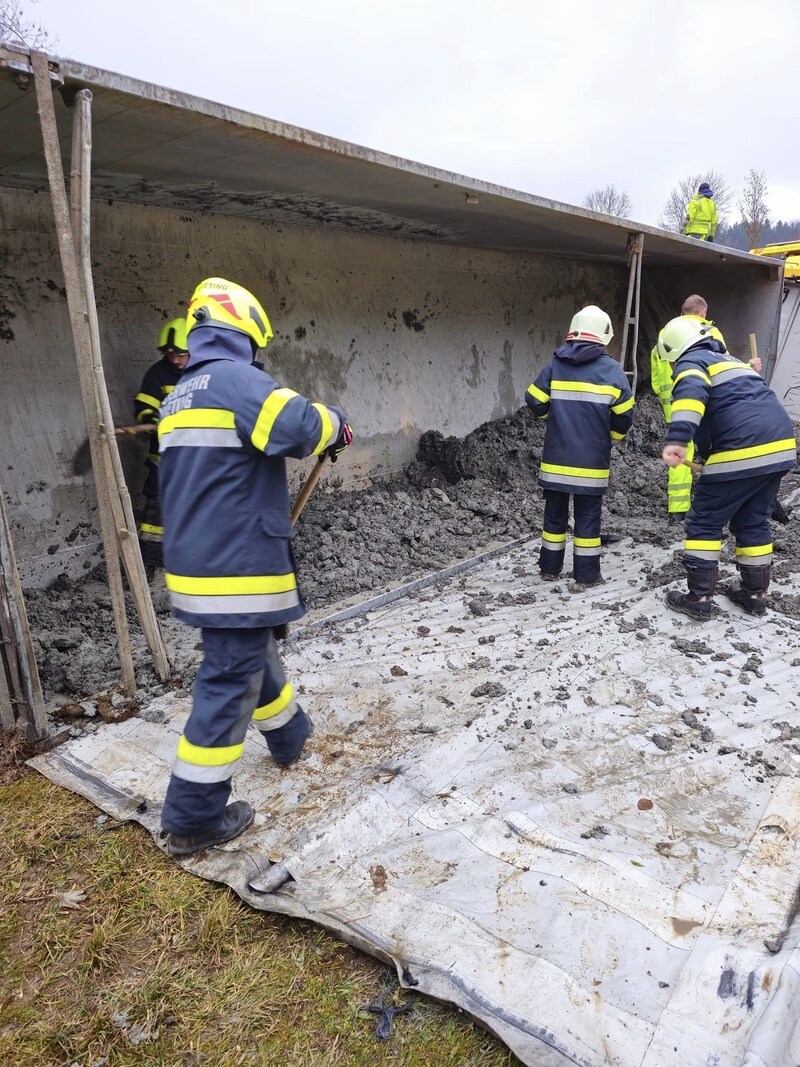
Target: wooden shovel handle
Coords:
[(308, 488)]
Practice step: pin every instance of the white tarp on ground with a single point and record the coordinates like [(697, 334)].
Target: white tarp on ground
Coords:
[(503, 850)]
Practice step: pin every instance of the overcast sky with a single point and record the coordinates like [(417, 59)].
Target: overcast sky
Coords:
[(553, 97)]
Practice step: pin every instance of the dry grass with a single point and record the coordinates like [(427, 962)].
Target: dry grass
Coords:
[(149, 952)]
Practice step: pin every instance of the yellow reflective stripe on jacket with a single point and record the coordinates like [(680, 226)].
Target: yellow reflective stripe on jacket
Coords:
[(326, 435), (730, 364), (626, 405), (270, 410), (581, 472), (616, 436), (208, 757), (145, 398), (692, 373), (197, 418), (242, 585), (539, 394), (689, 405), (586, 387), (753, 452), (167, 389)]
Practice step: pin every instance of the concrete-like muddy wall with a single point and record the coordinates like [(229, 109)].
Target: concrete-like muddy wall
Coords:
[(407, 336)]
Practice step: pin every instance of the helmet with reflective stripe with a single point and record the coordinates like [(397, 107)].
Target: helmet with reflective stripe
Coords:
[(217, 302), (679, 335), (172, 336), (591, 324)]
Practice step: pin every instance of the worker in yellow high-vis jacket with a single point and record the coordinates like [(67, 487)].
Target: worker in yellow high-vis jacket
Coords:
[(679, 484), (701, 214)]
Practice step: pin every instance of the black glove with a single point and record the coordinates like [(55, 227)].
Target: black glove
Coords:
[(344, 438)]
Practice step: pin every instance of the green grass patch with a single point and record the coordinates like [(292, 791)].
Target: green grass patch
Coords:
[(112, 956)]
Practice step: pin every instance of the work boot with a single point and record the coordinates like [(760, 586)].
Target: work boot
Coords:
[(696, 607), (549, 576), (585, 583), (610, 538), (286, 743), (752, 603), (236, 818)]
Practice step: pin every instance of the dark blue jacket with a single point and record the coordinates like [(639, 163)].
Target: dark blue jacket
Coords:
[(738, 423), (585, 397), (224, 433)]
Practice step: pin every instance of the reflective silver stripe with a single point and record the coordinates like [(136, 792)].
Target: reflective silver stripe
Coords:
[(694, 417), (572, 479), (754, 463), (699, 553), (274, 721), (150, 536), (753, 561), (235, 605), (734, 372), (578, 551), (192, 772), (592, 398), (196, 437)]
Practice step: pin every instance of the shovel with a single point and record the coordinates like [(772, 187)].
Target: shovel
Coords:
[(82, 460), (308, 488)]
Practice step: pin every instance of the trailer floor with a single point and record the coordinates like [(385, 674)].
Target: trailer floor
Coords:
[(572, 813)]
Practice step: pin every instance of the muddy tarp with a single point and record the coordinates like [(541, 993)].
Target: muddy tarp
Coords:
[(571, 813)]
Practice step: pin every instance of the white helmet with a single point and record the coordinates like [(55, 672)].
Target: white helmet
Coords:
[(591, 324), (679, 335)]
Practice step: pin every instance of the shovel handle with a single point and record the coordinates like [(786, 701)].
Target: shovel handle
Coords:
[(308, 488), (696, 467)]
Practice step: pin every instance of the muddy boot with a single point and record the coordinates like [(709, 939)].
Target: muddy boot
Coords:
[(696, 607), (236, 818), (286, 743), (610, 538), (750, 595), (549, 576)]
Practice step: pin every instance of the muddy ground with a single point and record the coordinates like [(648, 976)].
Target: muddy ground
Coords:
[(457, 496)]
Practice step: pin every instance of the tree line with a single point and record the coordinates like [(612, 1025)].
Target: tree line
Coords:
[(744, 221)]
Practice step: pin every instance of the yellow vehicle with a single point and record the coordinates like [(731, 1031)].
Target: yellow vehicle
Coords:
[(790, 251)]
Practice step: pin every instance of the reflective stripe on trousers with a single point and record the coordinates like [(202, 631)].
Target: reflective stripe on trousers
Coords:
[(240, 676), (586, 542)]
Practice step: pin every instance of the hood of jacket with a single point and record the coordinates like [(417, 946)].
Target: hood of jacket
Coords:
[(212, 343), (580, 351)]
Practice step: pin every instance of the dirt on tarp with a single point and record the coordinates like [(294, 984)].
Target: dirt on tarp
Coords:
[(457, 496)]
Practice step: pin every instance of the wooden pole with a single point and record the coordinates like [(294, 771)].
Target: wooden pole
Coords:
[(23, 672), (308, 489), (753, 347), (119, 495), (104, 471)]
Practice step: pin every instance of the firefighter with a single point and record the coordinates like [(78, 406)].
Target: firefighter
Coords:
[(740, 426), (158, 383), (701, 214), (224, 434), (584, 395), (679, 484)]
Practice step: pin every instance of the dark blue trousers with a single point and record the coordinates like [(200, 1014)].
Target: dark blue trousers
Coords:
[(586, 540), (744, 505), (240, 680)]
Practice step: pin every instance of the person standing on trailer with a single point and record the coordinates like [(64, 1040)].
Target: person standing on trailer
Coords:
[(224, 434), (748, 440), (585, 397)]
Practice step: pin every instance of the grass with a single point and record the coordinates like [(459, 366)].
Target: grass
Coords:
[(144, 965)]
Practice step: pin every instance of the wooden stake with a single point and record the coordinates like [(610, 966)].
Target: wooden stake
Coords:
[(24, 675), (753, 347), (123, 515)]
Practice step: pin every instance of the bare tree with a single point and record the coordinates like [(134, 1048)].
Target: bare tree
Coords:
[(17, 28), (609, 200), (753, 206), (674, 213)]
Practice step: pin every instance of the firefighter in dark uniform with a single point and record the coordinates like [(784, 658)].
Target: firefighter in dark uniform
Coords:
[(740, 427), (585, 397), (224, 434), (157, 384)]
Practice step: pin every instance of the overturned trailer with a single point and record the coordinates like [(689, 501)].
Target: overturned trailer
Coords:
[(416, 298), (593, 891)]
